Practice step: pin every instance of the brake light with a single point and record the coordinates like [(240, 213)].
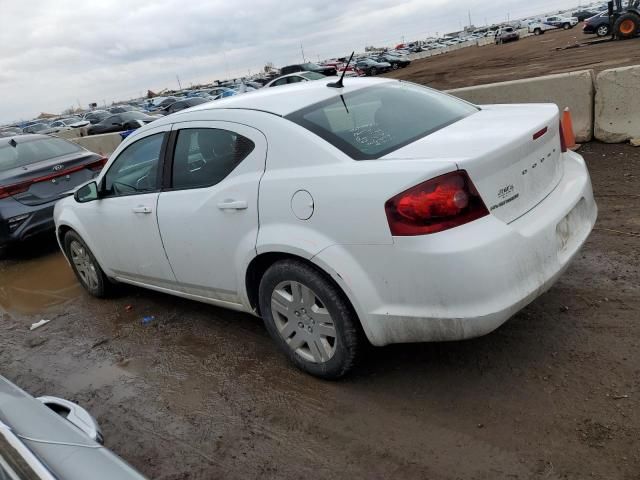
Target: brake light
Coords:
[(10, 190), (441, 203), (563, 143), (97, 165)]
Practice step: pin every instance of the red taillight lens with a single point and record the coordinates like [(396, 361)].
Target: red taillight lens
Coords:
[(438, 204), (97, 165), (563, 143), (10, 190)]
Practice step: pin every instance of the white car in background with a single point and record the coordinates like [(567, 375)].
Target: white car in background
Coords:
[(295, 78), (540, 26), (380, 211)]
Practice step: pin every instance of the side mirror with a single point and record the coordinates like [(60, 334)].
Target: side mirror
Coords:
[(87, 193)]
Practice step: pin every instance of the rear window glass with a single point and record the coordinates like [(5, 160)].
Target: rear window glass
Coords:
[(34, 151), (372, 122)]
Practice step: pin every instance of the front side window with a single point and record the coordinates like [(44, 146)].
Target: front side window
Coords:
[(374, 121), (205, 156), (136, 168)]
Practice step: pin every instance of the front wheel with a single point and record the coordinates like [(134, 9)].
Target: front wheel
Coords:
[(394, 66), (86, 267), (374, 71), (310, 319), (602, 31), (537, 31), (566, 26)]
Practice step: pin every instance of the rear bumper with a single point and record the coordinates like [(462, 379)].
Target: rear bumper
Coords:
[(467, 281), (39, 220)]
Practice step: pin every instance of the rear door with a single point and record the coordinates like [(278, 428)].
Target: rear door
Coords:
[(208, 215)]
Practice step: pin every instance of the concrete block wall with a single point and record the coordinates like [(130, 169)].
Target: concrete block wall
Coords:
[(103, 144), (575, 90), (617, 104)]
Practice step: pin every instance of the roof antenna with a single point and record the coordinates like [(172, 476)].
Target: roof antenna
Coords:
[(339, 84), (13, 143)]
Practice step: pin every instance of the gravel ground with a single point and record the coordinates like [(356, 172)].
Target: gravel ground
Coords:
[(200, 392)]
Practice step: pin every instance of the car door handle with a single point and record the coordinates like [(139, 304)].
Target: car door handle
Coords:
[(142, 209), (233, 205)]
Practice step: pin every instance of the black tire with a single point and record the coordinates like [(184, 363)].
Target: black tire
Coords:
[(374, 71), (102, 287), (566, 26), (537, 31), (603, 30), (348, 342), (620, 29), (394, 66)]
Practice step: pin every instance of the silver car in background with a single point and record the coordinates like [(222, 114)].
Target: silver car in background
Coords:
[(49, 438)]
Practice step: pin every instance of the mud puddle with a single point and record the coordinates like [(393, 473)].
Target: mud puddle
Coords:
[(35, 285)]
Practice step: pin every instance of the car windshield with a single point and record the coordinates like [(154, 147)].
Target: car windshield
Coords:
[(38, 126), (374, 121), (33, 151), (312, 75)]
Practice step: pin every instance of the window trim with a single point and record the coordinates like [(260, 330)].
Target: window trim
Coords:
[(167, 177), (159, 174)]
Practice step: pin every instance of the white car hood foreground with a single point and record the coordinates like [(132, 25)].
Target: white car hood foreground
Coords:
[(512, 171)]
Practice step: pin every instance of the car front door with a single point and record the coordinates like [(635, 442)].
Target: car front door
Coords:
[(208, 215), (122, 225)]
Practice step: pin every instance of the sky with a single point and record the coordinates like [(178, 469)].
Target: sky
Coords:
[(59, 54)]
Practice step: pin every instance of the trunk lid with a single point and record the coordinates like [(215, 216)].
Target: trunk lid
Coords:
[(512, 171), (51, 179)]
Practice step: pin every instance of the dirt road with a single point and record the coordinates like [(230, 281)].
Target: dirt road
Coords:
[(530, 57), (200, 392)]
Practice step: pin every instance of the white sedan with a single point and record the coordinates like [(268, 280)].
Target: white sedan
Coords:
[(296, 77), (381, 211)]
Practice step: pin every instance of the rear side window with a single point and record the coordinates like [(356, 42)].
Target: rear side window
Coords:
[(34, 151), (372, 122), (205, 156)]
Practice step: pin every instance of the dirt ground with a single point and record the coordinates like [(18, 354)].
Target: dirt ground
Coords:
[(530, 57), (200, 392)]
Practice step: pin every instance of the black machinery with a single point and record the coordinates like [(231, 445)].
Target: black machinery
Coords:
[(625, 19)]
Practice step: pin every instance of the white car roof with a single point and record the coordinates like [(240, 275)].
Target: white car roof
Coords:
[(282, 101)]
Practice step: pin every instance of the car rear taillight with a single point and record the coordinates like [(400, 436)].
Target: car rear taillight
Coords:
[(97, 165), (438, 204), (10, 190), (563, 143)]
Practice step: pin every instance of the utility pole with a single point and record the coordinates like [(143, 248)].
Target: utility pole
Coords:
[(470, 18), (302, 51), (179, 86)]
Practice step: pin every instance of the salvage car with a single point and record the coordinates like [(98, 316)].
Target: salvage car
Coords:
[(295, 78), (328, 70), (49, 438), (35, 172), (186, 103), (371, 67), (507, 34), (599, 24), (395, 61), (121, 122), (340, 212)]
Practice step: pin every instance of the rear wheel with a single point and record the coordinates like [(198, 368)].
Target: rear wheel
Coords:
[(374, 71), (537, 31), (86, 267), (627, 26), (566, 26), (310, 319), (394, 66), (602, 30)]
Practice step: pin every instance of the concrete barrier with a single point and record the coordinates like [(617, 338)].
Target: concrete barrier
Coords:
[(574, 90), (103, 144), (73, 133), (617, 105)]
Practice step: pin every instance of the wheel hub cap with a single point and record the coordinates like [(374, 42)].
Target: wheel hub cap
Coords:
[(84, 265), (303, 322)]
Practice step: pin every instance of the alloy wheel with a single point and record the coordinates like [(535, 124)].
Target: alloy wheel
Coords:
[(303, 322), (84, 265)]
